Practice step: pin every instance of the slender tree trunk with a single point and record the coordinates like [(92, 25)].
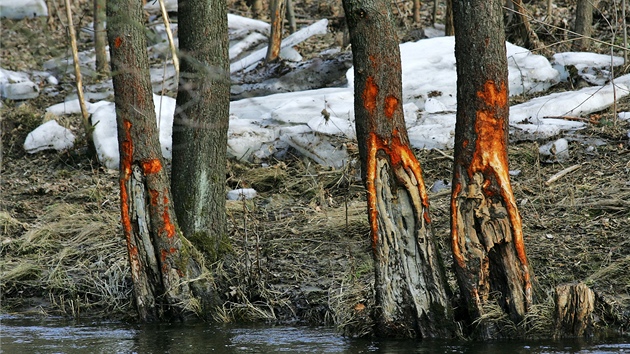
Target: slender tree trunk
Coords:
[(100, 36), (583, 24), (487, 237), (519, 30), (201, 124), (275, 36), (87, 126), (164, 269), (291, 16), (411, 292), (449, 26), (256, 6), (417, 6)]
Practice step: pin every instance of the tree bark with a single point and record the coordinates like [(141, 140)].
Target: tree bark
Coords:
[(164, 269), (583, 25), (275, 35), (100, 36), (201, 124), (487, 237), (411, 292)]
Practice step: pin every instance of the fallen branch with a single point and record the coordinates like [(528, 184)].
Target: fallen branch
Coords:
[(576, 119), (318, 27), (562, 173)]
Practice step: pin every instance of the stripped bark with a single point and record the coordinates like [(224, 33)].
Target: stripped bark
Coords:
[(164, 269), (487, 237), (411, 292)]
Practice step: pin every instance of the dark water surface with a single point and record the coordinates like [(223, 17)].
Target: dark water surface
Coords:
[(54, 335)]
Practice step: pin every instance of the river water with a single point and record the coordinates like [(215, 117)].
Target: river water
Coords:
[(22, 335)]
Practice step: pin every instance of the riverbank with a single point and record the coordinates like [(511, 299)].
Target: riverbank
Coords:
[(300, 251)]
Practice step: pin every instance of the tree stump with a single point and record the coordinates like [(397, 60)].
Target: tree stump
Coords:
[(574, 310)]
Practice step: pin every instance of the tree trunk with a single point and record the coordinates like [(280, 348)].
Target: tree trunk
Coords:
[(449, 26), (574, 310), (291, 16), (162, 262), (275, 35), (487, 237), (201, 124), (411, 292), (256, 7), (583, 25), (519, 31), (417, 6), (100, 36)]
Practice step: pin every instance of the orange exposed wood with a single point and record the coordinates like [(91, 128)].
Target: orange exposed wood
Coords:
[(391, 103), (369, 95), (372, 148), (117, 42), (151, 166), (125, 168)]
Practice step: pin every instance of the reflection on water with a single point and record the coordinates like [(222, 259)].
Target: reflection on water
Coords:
[(54, 335)]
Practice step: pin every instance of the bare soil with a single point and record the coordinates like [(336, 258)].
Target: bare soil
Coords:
[(300, 251)]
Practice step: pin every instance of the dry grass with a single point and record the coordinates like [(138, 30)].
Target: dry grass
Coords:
[(72, 259), (300, 251)]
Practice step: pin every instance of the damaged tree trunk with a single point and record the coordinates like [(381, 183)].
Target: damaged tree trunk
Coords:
[(411, 292), (487, 237), (574, 310), (275, 35), (167, 275)]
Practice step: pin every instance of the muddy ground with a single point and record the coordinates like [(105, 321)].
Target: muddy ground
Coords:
[(300, 251)]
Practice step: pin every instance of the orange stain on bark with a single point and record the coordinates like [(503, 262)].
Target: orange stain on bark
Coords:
[(391, 103), (369, 95), (117, 42), (151, 166), (125, 168), (154, 196)]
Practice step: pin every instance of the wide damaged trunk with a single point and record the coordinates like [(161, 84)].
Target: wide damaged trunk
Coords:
[(411, 292), (168, 279), (487, 237)]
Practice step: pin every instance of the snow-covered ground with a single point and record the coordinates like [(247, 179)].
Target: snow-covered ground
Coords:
[(269, 125)]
